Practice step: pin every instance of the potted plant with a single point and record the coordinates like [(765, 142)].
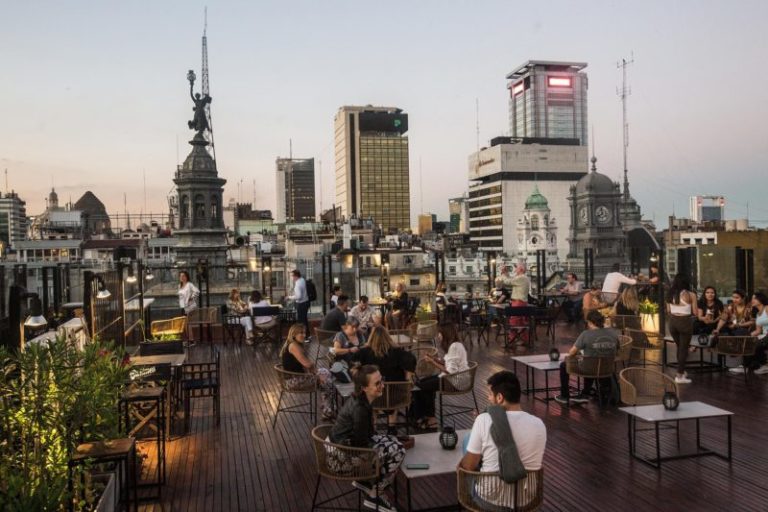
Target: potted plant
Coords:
[(166, 343), (649, 316)]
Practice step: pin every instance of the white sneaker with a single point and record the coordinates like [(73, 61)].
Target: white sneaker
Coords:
[(682, 379), (762, 370), (737, 369)]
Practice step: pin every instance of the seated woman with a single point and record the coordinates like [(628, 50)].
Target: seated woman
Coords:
[(757, 361), (455, 361), (348, 341), (397, 317), (627, 303), (355, 427), (377, 320), (593, 300), (711, 310), (737, 319), (236, 306), (395, 364), (295, 360)]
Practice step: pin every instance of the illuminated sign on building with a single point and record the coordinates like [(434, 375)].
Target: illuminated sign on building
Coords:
[(518, 88), (555, 81)]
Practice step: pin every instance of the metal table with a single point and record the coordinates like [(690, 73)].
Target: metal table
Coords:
[(540, 362), (657, 415)]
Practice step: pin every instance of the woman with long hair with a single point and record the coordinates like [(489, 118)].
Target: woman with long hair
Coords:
[(454, 361), (711, 309), (295, 360), (757, 361), (188, 294), (682, 308), (355, 427), (737, 319), (628, 303)]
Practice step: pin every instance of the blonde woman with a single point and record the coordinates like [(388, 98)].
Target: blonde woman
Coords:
[(628, 302), (295, 360)]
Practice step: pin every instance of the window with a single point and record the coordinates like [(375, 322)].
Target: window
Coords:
[(469, 269), (415, 281), (184, 214), (534, 222), (199, 206), (452, 270)]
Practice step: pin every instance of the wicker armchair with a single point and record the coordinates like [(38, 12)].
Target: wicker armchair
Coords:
[(424, 332), (623, 322), (624, 353), (479, 492), (591, 367), (646, 343), (396, 397), (175, 326), (300, 384), (643, 386), (204, 319), (738, 346), (455, 384), (324, 339), (423, 367), (402, 337), (341, 463)]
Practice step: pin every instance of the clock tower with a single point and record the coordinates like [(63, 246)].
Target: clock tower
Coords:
[(595, 203), (537, 230)]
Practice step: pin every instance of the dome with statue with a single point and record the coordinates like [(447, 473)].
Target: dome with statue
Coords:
[(536, 201), (595, 182)]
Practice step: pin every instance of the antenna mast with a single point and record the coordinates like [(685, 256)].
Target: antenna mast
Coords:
[(623, 93), (206, 83)]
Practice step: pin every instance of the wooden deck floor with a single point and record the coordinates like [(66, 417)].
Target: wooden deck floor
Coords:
[(246, 465)]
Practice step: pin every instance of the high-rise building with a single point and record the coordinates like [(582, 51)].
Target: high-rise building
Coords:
[(548, 100), (458, 211), (707, 208), (425, 223), (372, 171), (295, 190), (13, 220)]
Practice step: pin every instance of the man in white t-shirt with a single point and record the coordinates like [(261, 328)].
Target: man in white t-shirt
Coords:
[(528, 431), (613, 281)]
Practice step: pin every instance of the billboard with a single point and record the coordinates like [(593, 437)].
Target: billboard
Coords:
[(384, 122)]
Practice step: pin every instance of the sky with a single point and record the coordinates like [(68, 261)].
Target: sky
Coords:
[(93, 95)]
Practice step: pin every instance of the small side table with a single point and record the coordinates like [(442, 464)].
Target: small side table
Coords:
[(122, 451)]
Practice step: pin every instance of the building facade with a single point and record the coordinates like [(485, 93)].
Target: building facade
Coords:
[(372, 168), (548, 99), (707, 208), (295, 190), (502, 177), (13, 221), (458, 211), (536, 231)]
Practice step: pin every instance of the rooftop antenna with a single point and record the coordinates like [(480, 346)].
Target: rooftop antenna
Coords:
[(477, 134), (206, 83), (594, 158), (125, 209), (290, 149), (623, 93), (144, 177), (6, 181), (421, 188)]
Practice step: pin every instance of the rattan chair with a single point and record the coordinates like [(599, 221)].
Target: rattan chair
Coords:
[(482, 492), (324, 339), (456, 384), (737, 346), (624, 353), (424, 332), (343, 464), (204, 319), (623, 322), (175, 326), (646, 343), (300, 384), (592, 367), (423, 367), (644, 386), (396, 397)]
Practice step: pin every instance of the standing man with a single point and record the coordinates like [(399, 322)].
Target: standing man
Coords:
[(300, 297), (520, 286)]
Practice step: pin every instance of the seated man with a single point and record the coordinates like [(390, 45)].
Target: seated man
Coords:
[(528, 431), (574, 292), (363, 313), (596, 341), (336, 317)]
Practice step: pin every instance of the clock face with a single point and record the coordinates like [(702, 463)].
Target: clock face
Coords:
[(602, 214), (583, 215)]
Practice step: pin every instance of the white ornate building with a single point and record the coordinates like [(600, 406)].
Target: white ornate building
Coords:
[(537, 230)]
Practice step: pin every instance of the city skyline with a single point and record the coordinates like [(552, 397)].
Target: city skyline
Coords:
[(99, 91)]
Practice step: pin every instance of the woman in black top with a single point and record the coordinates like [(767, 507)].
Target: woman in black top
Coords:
[(710, 311), (355, 427), (399, 306), (395, 364), (296, 361), (628, 303)]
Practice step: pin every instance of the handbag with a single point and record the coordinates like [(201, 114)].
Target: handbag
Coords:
[(340, 372)]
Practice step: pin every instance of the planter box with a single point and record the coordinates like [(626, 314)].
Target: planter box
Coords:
[(650, 322), (156, 348), (108, 502)]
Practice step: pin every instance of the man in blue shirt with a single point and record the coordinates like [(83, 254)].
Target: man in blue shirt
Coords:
[(300, 297)]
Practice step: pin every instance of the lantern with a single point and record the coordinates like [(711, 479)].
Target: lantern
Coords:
[(670, 401), (449, 438), (554, 354)]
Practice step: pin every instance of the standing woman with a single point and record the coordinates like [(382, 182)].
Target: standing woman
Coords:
[(188, 294), (682, 307), (296, 361), (354, 427)]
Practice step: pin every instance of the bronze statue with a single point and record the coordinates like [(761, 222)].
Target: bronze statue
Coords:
[(200, 122)]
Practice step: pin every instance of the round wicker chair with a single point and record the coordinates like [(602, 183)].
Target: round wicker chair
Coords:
[(623, 322), (455, 384), (482, 492), (324, 339), (396, 397), (341, 463), (643, 386), (424, 332), (423, 367), (591, 367), (646, 343), (298, 383), (624, 353)]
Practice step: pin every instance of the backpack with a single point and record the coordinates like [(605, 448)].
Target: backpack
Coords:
[(311, 291)]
